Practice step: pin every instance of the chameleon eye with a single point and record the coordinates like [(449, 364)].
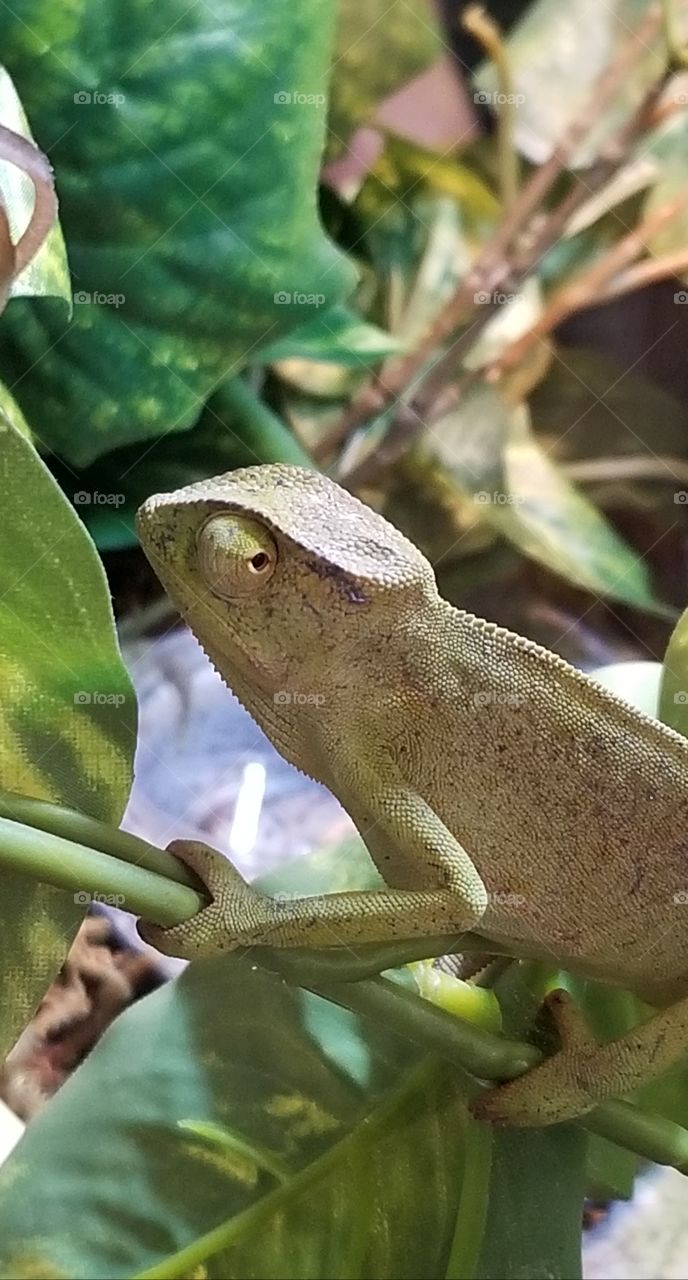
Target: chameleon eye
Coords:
[(236, 556)]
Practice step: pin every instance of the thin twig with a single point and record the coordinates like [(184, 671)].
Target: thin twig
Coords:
[(647, 272), (588, 288), (638, 466), (548, 233), (485, 30)]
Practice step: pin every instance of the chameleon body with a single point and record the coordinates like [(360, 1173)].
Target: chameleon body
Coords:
[(494, 785)]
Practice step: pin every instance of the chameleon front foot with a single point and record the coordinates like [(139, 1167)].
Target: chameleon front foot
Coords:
[(237, 915)]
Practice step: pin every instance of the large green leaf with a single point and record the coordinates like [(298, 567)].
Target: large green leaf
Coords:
[(535, 1201), (235, 1102), (338, 336), (186, 141), (68, 714), (235, 430), (267, 1132), (47, 274)]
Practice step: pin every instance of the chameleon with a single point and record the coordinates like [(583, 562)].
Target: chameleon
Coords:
[(495, 786)]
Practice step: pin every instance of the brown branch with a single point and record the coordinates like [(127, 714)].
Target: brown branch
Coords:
[(492, 269), (588, 288), (647, 272)]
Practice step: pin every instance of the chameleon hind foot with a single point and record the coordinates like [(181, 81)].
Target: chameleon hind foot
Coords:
[(566, 1084), (583, 1072)]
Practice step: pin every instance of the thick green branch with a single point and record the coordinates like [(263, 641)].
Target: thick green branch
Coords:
[(90, 875), (119, 876)]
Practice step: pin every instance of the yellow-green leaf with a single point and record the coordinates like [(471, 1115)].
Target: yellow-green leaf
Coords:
[(68, 716)]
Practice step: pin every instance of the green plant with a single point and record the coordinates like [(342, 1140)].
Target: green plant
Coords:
[(269, 1119)]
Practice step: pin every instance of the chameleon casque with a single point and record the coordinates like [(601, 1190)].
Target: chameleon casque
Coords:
[(494, 785)]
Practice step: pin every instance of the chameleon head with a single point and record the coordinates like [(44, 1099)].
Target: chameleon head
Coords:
[(276, 568)]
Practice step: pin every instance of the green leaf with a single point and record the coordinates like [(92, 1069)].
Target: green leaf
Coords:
[(68, 719), (235, 430), (306, 1140), (187, 142), (10, 410), (673, 694), (47, 274), (669, 151), (378, 49), (535, 1201), (535, 1197), (445, 260), (490, 452), (337, 336)]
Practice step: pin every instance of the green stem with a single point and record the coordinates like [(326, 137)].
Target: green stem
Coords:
[(83, 830), (471, 1217), (643, 1132), (340, 964), (235, 401), (475, 1050), (93, 876), (485, 30)]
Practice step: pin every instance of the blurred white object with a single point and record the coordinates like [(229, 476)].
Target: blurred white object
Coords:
[(243, 831), (637, 682), (11, 1130)]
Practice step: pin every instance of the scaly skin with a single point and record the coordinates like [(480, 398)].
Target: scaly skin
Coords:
[(493, 784)]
